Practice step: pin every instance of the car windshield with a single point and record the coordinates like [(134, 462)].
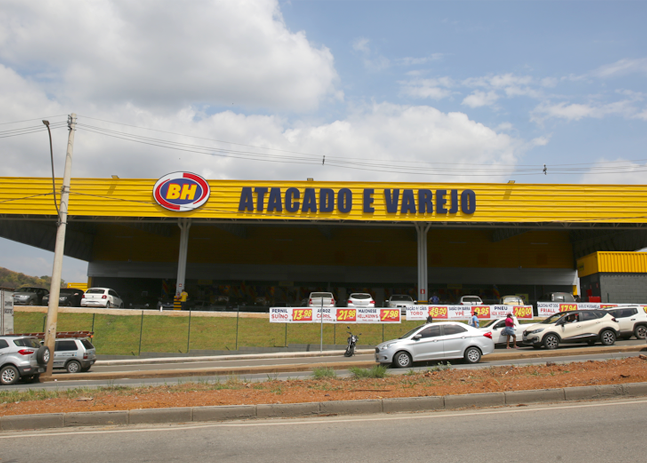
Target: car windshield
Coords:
[(401, 298), (409, 333), (553, 318), (360, 296)]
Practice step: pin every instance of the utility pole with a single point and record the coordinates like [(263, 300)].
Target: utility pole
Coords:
[(55, 288)]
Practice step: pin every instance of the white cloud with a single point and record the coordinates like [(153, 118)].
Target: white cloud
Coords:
[(478, 99), (578, 111), (166, 54), (372, 60), (619, 171), (622, 67), (410, 61), (435, 89)]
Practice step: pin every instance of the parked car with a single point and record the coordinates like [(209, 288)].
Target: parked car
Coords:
[(316, 299), (437, 341), (556, 297), (511, 300), (101, 297), (360, 300), (573, 326), (21, 357), (74, 354), (496, 327), (471, 300), (632, 320), (399, 300), (28, 295), (70, 297)]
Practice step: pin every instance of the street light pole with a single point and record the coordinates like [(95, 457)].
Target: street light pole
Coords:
[(59, 247)]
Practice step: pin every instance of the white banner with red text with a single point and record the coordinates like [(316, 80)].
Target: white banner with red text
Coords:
[(334, 315), (463, 312)]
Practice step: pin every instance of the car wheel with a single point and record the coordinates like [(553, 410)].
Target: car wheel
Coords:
[(42, 356), (608, 338), (472, 355), (73, 366), (551, 341), (640, 332), (9, 375), (402, 360), (121, 305)]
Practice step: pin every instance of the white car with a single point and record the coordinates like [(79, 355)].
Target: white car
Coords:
[(360, 300), (471, 300), (512, 300), (632, 320), (436, 341), (321, 299), (496, 327), (399, 300), (101, 297)]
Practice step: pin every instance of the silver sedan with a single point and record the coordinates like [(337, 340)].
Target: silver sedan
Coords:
[(436, 341)]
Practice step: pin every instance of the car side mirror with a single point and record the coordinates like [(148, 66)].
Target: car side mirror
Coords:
[(417, 336)]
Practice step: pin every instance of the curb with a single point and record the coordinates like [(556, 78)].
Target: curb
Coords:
[(298, 410)]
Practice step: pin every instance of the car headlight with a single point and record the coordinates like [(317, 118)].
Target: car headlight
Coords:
[(539, 330)]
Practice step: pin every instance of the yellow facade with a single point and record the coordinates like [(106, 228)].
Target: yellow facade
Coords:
[(517, 203), (612, 262)]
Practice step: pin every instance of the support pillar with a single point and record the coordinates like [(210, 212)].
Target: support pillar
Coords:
[(184, 225), (422, 229)]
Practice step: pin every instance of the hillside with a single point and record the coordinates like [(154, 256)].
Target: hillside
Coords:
[(12, 280)]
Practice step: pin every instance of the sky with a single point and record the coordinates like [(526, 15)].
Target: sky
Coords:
[(348, 90)]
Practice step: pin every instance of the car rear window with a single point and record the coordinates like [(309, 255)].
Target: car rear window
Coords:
[(328, 295), (453, 329), (94, 291), (27, 342), (87, 344), (360, 296), (401, 298)]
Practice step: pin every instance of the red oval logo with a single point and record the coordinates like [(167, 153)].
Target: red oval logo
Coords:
[(181, 191)]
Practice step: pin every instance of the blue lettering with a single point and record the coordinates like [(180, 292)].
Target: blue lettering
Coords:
[(424, 201), (260, 195), (368, 200), (441, 201), (468, 202), (453, 209), (274, 202), (391, 201), (344, 200), (246, 200), (309, 200), (408, 203), (290, 195), (326, 200)]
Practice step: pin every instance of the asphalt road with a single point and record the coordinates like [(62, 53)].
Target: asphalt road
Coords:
[(581, 432), (130, 374)]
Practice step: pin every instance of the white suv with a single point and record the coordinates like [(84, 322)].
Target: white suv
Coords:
[(573, 326), (632, 320)]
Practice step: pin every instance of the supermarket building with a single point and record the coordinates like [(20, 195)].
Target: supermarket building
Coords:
[(272, 242)]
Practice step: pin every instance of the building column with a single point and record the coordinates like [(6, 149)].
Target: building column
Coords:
[(184, 225), (422, 229)]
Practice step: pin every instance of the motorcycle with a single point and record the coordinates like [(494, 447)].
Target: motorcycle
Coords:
[(352, 342)]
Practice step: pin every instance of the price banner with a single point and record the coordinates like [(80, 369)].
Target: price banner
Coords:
[(482, 311), (346, 315), (438, 311), (370, 315), (390, 315), (280, 315), (522, 311), (301, 315)]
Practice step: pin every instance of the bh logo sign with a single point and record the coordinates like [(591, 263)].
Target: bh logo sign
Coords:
[(181, 191)]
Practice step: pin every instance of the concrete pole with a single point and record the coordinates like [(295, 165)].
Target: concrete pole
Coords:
[(184, 225), (421, 230), (59, 248)]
